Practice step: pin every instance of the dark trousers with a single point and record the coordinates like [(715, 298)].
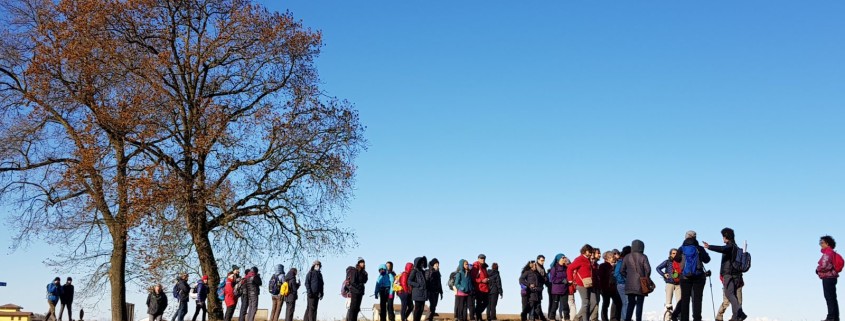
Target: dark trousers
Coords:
[(533, 309), (692, 290), (610, 301), (829, 287), (391, 315), (558, 305), (354, 307), (244, 307), (432, 305), (200, 307), (471, 306), (407, 306), (383, 297), (311, 310), (491, 308), (230, 312), (62, 310), (481, 301), (291, 307), (419, 307), (731, 284), (461, 307), (635, 302), (253, 309)]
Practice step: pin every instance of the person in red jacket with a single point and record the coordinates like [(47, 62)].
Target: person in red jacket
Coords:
[(580, 272), (229, 297), (478, 275), (827, 271)]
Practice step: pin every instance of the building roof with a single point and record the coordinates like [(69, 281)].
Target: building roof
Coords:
[(15, 314), (11, 306)]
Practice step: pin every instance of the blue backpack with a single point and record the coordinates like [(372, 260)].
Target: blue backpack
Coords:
[(176, 291), (274, 286), (221, 289), (691, 262), (742, 261)]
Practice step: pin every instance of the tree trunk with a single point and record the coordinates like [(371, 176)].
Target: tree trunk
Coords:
[(209, 267), (117, 276)]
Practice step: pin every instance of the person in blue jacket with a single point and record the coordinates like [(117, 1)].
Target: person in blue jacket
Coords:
[(384, 290), (620, 283), (463, 287), (202, 294)]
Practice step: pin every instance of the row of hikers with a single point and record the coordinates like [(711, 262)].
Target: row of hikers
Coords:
[(620, 283)]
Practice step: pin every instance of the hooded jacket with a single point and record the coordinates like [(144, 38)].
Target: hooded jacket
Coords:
[(156, 303), (202, 291), (557, 277), (462, 279), (434, 283), (54, 291), (495, 282), (279, 276), (419, 286), (635, 266), (827, 268), (314, 283), (703, 258), (184, 290), (384, 280), (617, 273), (67, 293), (293, 286), (403, 279), (478, 274)]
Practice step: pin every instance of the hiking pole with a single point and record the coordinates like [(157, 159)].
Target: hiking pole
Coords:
[(712, 300)]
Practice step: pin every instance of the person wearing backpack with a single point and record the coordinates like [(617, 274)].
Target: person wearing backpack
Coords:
[(691, 259), (391, 315), (156, 303), (670, 271), (181, 292), (54, 292), (229, 297), (419, 286), (404, 292), (434, 284), (292, 281), (731, 277), (828, 270), (384, 289), (580, 272), (462, 286), (314, 290), (495, 291), (253, 290), (636, 268), (558, 292), (357, 282), (241, 291), (274, 285), (202, 294)]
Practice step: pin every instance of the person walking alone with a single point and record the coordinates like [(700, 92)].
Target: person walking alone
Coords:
[(156, 303), (314, 291), (830, 264)]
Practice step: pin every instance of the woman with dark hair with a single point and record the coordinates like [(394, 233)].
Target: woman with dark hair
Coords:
[(495, 284), (405, 294), (580, 272), (828, 272), (532, 281), (463, 287), (670, 271), (558, 289), (608, 288), (731, 278)]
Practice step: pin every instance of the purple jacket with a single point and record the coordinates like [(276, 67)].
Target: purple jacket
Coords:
[(557, 277)]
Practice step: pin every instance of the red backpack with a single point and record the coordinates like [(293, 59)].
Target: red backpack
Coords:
[(838, 262)]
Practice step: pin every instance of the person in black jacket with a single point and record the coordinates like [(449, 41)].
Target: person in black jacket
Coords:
[(435, 287), (692, 281), (419, 286), (183, 291), (495, 283), (290, 299), (67, 299), (156, 303), (357, 278), (533, 283), (313, 290), (391, 315), (253, 289), (731, 278)]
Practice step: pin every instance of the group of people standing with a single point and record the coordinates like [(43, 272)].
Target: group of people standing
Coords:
[(56, 293)]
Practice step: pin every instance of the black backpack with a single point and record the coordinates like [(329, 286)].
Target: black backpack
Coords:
[(452, 280)]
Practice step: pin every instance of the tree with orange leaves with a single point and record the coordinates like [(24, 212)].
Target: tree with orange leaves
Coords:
[(202, 115)]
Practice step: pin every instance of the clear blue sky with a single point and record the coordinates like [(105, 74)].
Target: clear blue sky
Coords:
[(524, 128)]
